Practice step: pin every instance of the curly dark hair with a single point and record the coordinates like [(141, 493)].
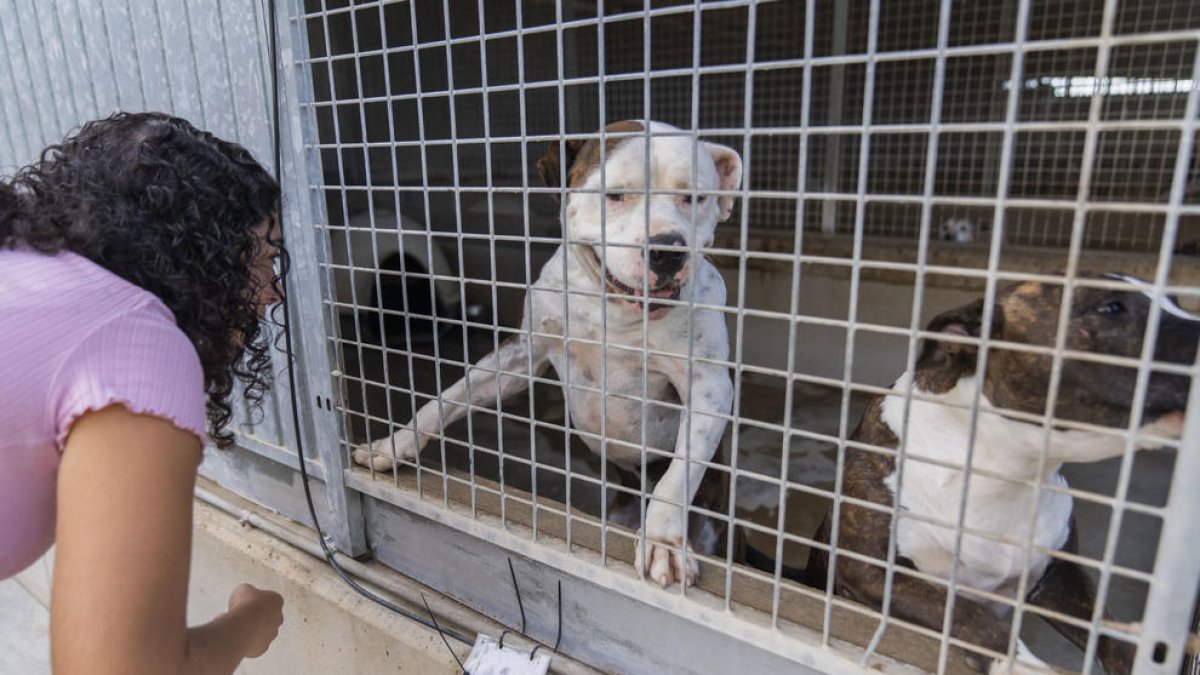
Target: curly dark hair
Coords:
[(174, 210)]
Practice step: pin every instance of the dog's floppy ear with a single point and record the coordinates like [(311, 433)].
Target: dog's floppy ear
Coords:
[(729, 173), (551, 166), (965, 321), (942, 363)]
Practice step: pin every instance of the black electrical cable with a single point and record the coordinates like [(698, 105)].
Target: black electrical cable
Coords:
[(330, 553), (517, 590)]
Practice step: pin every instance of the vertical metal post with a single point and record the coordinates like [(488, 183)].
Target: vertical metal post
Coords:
[(301, 169), (837, 88), (1171, 600)]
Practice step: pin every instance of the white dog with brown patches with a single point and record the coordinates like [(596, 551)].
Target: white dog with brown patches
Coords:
[(629, 216)]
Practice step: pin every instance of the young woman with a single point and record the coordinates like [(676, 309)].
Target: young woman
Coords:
[(136, 261)]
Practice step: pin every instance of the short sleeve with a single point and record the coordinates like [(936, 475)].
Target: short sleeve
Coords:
[(140, 359)]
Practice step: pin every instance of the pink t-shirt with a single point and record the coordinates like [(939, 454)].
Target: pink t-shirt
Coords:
[(73, 338)]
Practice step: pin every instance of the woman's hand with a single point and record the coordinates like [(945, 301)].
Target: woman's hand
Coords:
[(264, 612)]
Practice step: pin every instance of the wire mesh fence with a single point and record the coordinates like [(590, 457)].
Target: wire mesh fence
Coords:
[(862, 335)]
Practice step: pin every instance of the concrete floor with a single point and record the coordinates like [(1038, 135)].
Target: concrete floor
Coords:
[(24, 631), (326, 630)]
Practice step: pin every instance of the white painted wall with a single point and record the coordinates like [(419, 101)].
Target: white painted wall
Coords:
[(821, 350)]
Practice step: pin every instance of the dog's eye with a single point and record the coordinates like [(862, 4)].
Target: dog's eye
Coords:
[(1112, 308), (615, 197)]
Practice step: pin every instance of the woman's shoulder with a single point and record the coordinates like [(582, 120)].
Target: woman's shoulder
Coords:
[(80, 338), (137, 357), (64, 272), (60, 286)]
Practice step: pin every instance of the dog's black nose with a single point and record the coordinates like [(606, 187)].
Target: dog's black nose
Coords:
[(666, 263)]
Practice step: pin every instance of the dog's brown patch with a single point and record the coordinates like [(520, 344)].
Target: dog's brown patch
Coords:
[(588, 157), (581, 156)]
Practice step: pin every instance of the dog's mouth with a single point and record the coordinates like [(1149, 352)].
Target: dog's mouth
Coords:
[(635, 295), (670, 291)]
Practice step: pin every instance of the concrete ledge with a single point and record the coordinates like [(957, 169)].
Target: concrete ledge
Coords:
[(328, 628)]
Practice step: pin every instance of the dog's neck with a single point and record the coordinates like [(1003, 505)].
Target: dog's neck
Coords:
[(589, 261), (940, 429), (586, 274)]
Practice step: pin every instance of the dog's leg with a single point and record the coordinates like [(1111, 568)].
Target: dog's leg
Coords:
[(1066, 588), (816, 571), (1094, 446), (697, 440), (501, 371), (706, 534), (710, 534)]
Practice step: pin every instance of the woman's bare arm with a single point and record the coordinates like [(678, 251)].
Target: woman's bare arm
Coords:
[(119, 597)]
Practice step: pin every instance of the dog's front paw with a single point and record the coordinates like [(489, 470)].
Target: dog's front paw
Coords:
[(378, 455), (666, 564), (663, 559)]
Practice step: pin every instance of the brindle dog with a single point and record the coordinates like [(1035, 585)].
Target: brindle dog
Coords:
[(1102, 321)]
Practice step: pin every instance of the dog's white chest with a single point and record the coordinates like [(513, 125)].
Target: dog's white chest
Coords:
[(992, 508), (619, 414), (1002, 508)]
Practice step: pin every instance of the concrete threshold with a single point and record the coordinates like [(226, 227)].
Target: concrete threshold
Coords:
[(328, 627)]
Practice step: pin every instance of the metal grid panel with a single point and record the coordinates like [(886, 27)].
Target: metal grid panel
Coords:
[(1055, 132)]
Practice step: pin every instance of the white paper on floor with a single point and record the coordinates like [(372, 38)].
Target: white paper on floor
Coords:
[(489, 658)]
